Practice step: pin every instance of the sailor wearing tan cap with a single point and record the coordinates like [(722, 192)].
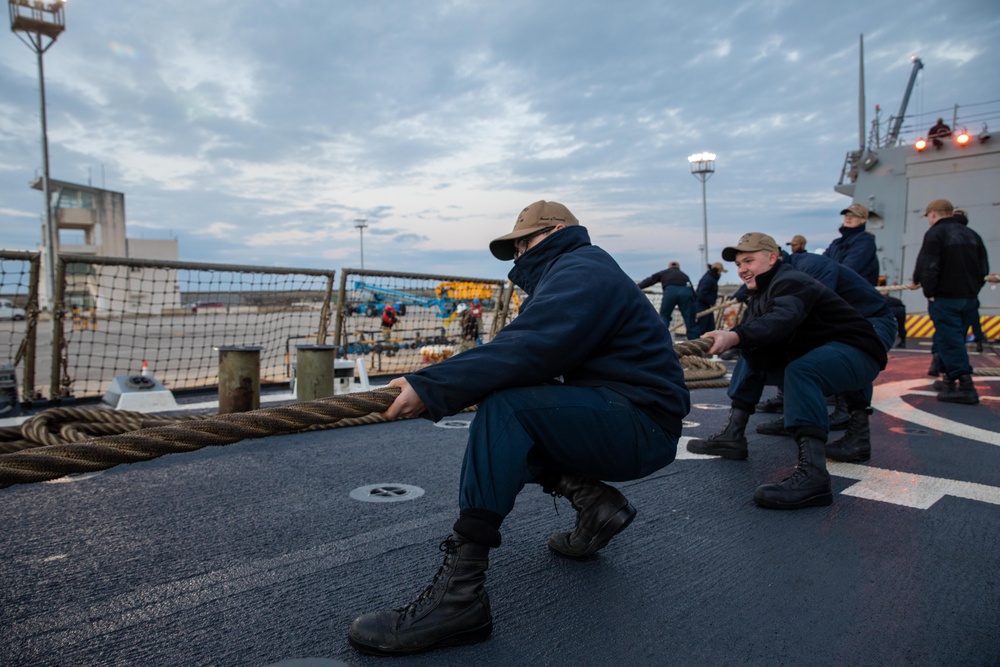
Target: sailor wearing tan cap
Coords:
[(855, 248), (951, 267), (582, 386), (799, 335), (797, 244)]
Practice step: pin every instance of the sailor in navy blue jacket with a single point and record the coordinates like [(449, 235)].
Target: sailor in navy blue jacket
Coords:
[(582, 386), (855, 248)]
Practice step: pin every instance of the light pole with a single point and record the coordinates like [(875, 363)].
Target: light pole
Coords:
[(703, 166), (362, 224), (34, 23)]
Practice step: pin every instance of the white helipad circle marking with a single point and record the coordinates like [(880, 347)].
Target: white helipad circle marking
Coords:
[(888, 398), (710, 406)]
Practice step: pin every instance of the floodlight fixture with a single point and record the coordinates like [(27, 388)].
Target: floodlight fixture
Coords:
[(963, 138), (920, 145)]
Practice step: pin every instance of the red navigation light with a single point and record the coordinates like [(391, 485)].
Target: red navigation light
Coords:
[(963, 138), (920, 145)]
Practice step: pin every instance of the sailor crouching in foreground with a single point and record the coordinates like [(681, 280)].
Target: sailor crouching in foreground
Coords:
[(802, 337), (583, 385)]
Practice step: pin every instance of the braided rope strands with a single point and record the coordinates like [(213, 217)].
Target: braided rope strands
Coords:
[(51, 461), (993, 371), (64, 441), (699, 372)]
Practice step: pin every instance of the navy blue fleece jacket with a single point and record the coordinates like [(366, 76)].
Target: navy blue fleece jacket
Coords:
[(856, 250), (585, 323)]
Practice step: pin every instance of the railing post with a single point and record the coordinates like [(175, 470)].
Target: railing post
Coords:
[(58, 339)]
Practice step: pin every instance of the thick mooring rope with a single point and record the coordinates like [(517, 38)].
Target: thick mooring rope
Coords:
[(51, 461), (55, 442)]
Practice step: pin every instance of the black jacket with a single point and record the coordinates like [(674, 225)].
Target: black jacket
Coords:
[(856, 250), (790, 314), (585, 323), (952, 261), (667, 278)]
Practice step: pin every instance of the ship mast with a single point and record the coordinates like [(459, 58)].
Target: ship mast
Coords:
[(861, 92)]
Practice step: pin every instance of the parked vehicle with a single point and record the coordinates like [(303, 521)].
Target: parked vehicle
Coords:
[(8, 311), (195, 307)]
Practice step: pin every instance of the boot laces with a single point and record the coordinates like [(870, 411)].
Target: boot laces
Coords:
[(429, 594)]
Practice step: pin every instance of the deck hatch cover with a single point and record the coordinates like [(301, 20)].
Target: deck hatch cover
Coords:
[(386, 493)]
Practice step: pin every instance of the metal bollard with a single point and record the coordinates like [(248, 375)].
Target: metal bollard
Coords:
[(314, 371), (239, 378)]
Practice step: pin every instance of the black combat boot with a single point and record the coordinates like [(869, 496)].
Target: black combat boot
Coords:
[(454, 610), (944, 384), (856, 445), (840, 416), (774, 404), (965, 392), (773, 427), (730, 442), (807, 486), (601, 513), (935, 368)]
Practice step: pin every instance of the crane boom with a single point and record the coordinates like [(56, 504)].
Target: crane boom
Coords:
[(897, 121)]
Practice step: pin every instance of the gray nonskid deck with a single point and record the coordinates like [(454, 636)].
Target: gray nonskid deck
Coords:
[(255, 553)]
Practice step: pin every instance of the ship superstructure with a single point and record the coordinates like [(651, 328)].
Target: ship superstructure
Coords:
[(897, 174)]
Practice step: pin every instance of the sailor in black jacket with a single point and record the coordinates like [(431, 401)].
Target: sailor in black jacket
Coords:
[(583, 385), (801, 336), (951, 267)]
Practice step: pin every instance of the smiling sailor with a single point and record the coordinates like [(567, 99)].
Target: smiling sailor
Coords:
[(799, 335)]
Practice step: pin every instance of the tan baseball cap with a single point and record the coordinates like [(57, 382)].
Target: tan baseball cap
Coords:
[(858, 210), (534, 218), (939, 205), (718, 267), (751, 242), (798, 239)]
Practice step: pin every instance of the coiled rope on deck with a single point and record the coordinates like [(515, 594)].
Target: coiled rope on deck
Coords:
[(699, 372), (47, 462)]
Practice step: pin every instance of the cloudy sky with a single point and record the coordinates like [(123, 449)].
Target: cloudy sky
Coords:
[(257, 132)]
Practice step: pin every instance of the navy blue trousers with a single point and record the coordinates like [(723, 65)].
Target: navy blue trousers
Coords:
[(518, 434), (951, 318), (676, 296), (828, 370)]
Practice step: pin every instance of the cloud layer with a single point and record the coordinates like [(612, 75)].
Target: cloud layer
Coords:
[(257, 132)]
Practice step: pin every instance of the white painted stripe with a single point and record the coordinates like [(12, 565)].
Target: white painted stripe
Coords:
[(908, 489), (889, 486)]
